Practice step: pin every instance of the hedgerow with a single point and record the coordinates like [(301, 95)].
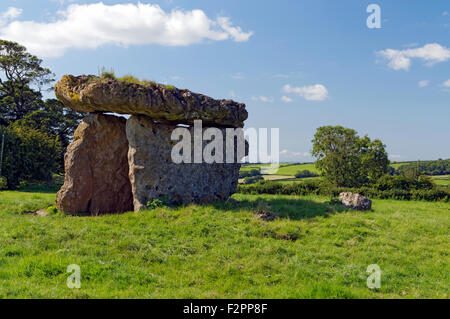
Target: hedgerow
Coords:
[(321, 188)]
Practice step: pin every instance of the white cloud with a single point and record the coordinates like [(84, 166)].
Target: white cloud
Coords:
[(445, 13), (10, 14), (235, 32), (423, 83), (262, 98), (286, 99), (90, 26), (446, 84), (401, 59), (394, 156), (316, 92)]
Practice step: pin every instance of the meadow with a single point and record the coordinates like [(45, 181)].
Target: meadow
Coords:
[(315, 249)]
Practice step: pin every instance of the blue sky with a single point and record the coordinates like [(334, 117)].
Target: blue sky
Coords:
[(297, 64)]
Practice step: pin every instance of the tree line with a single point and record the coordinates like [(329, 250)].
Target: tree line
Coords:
[(36, 131), (430, 168)]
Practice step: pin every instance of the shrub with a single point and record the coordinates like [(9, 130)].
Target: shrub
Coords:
[(403, 182), (3, 183), (324, 189), (430, 195), (29, 155), (425, 183), (252, 172), (155, 204), (253, 179), (305, 174)]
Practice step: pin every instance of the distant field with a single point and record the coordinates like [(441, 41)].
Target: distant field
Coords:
[(443, 180), (285, 169), (290, 169), (277, 177), (396, 165)]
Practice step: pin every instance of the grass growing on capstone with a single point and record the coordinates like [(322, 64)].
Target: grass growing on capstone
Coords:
[(105, 74), (318, 250)]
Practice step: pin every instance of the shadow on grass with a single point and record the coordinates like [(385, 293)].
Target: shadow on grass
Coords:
[(291, 208)]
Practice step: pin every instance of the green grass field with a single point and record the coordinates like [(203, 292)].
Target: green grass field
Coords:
[(318, 250)]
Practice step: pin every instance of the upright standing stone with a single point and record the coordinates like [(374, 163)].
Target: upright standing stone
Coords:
[(96, 180), (154, 175)]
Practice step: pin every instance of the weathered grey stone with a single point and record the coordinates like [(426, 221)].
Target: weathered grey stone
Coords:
[(154, 175), (355, 201), (96, 164), (161, 103)]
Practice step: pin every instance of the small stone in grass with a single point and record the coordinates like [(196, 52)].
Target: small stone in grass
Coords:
[(41, 212)]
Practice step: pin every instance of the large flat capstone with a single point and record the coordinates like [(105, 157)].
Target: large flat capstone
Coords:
[(96, 165), (161, 103), (154, 174)]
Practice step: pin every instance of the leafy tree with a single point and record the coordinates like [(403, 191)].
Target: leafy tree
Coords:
[(54, 119), (338, 155), (29, 154), (8, 113), (22, 78), (345, 159), (374, 159), (305, 173), (21, 70)]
